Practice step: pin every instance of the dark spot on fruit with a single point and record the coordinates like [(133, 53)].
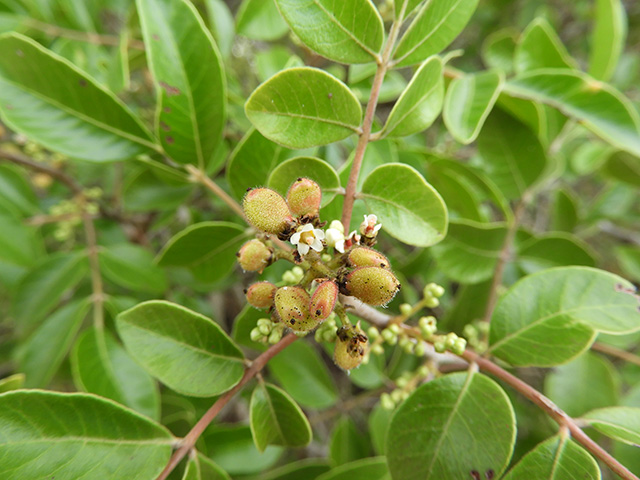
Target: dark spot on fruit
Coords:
[(171, 91), (244, 290), (318, 312), (299, 179), (82, 82), (292, 322)]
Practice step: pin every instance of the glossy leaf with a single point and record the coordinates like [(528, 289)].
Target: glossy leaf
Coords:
[(345, 32), (619, 423), (222, 25), (585, 383), (276, 419), (629, 259), (550, 317), (554, 250), (208, 249), (260, 20), (132, 267), (607, 39), (420, 103), (373, 468), (624, 168), (101, 366), (200, 467), (41, 355), (451, 426), (598, 106), (434, 27), (189, 76), (317, 170), (347, 444), (556, 459), (183, 349), (407, 206), (469, 101), (511, 154), (304, 376), (379, 421), (409, 6), (564, 211), (71, 434), (47, 98), (498, 49), (304, 107), (470, 251), (12, 382), (540, 47)]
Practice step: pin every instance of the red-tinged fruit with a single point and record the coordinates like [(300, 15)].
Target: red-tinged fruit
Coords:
[(292, 309), (323, 300), (351, 347), (261, 294), (373, 285), (254, 256), (304, 197), (367, 257), (267, 211)]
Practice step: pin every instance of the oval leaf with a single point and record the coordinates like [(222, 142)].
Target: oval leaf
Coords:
[(12, 382), (202, 468), (445, 428), (619, 423), (407, 206), (345, 32), (469, 101), (608, 38), (187, 68), (420, 103), (317, 170), (556, 459), (47, 98), (598, 106), (304, 107), (347, 443), (554, 250), (434, 27), (549, 317), (132, 267), (540, 47), (208, 249), (374, 468), (260, 20), (276, 419), (71, 434), (183, 349)]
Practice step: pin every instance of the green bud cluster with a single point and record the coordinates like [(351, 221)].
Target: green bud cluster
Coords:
[(267, 331), (406, 383), (293, 276), (477, 335), (327, 331), (451, 342), (71, 211), (432, 293)]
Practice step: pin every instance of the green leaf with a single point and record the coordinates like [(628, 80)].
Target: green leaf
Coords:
[(252, 161), (202, 468), (260, 20), (345, 32), (420, 103), (598, 106), (550, 317), (304, 376), (208, 249), (18, 243), (619, 423), (379, 421), (629, 260), (132, 267), (564, 211), (373, 468), (298, 470), (16, 192), (244, 322), (41, 289), (435, 26), (407, 206), (469, 101), (624, 168), (183, 349), (511, 154), (101, 366), (71, 434), (540, 47), (409, 6), (451, 426), (470, 251), (607, 39), (498, 49), (45, 97), (554, 250), (41, 355), (317, 170), (189, 76), (276, 419), (304, 107), (347, 443), (222, 25), (12, 382), (587, 382), (557, 458)]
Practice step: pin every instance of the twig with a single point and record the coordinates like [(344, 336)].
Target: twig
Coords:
[(201, 177), (189, 441), (616, 352), (94, 266), (59, 175)]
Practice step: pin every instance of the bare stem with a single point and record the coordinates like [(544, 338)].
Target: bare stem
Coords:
[(94, 265), (616, 352), (59, 175), (201, 177), (189, 441)]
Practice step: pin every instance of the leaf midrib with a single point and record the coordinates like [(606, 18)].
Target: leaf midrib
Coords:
[(354, 128)]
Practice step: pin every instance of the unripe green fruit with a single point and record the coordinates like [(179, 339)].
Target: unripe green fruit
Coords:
[(373, 285), (351, 347), (267, 211), (367, 257), (323, 300), (254, 256), (260, 295), (292, 308), (304, 197)]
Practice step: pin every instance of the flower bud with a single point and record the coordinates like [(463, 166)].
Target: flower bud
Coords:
[(351, 346), (260, 295), (323, 300), (267, 211), (386, 402), (254, 256), (372, 285), (367, 257), (292, 307), (304, 197), (256, 335)]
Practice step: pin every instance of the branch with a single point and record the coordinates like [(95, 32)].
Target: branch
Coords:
[(616, 352), (59, 175), (201, 177), (189, 441)]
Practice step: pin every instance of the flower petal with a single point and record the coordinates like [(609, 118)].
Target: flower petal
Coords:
[(340, 246), (295, 238), (318, 234), (303, 248), (317, 245), (306, 228)]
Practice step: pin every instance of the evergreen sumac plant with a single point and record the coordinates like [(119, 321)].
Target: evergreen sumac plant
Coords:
[(319, 240)]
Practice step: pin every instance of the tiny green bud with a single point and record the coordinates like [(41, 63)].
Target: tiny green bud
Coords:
[(396, 396), (388, 336), (351, 346), (459, 346), (260, 295), (423, 371), (431, 302), (439, 346), (373, 333), (298, 273), (386, 402), (450, 340), (373, 285), (323, 300), (377, 349), (256, 335), (433, 290), (420, 350), (265, 329), (395, 328), (289, 277), (318, 336), (405, 309), (275, 336), (267, 211), (330, 335), (254, 256), (367, 257), (402, 382), (304, 197), (403, 341), (409, 347)]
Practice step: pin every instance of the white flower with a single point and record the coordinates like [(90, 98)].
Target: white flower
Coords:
[(369, 228), (307, 237), (335, 238)]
